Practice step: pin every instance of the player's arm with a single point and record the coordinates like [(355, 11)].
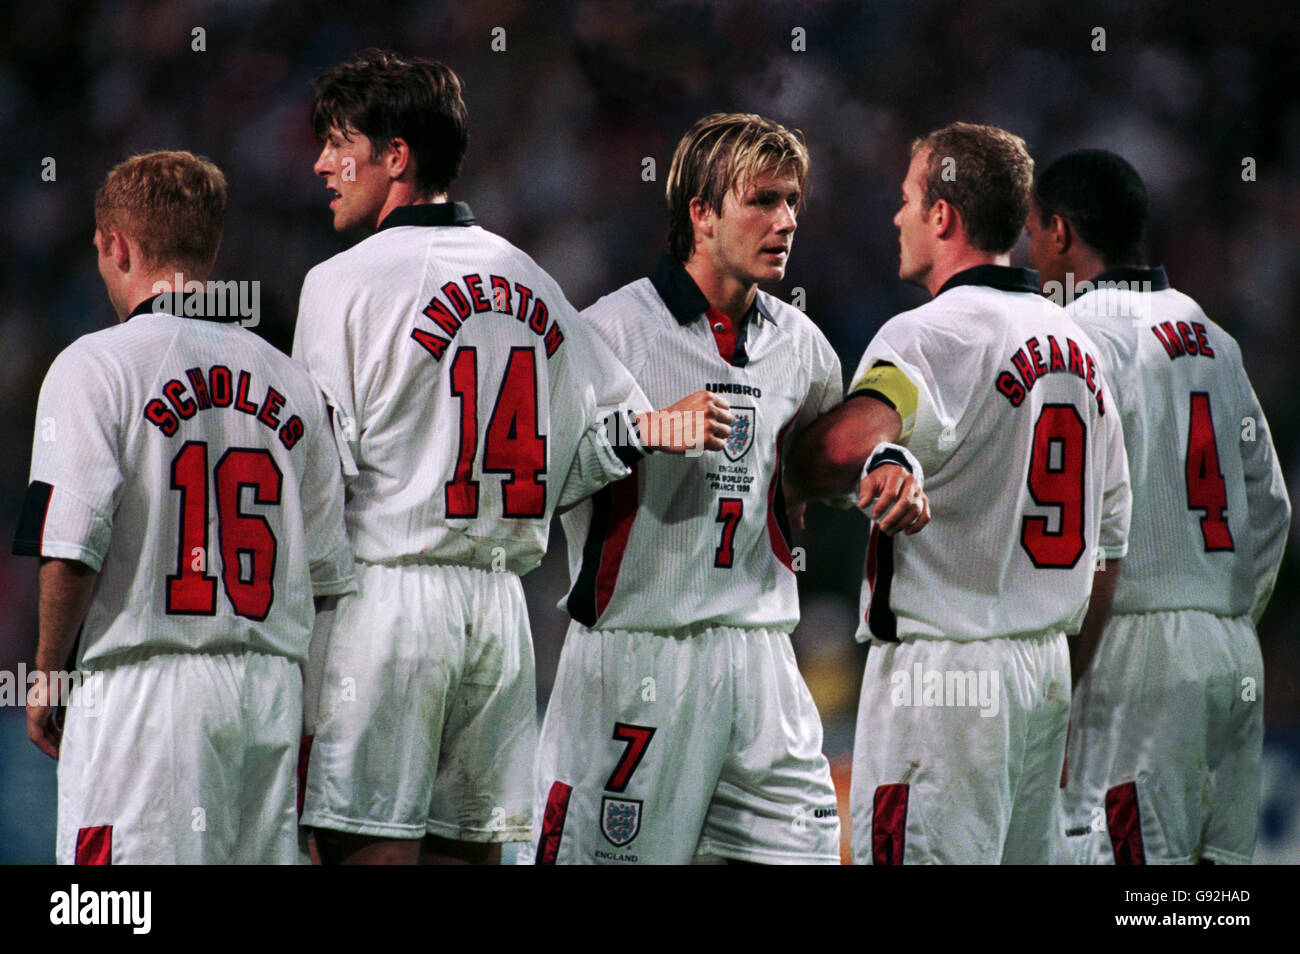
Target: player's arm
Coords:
[(698, 422), (837, 449), (1268, 507), (1084, 645), (66, 587)]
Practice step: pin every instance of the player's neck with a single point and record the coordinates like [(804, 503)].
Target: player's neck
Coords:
[(958, 261), (1086, 266), (405, 193), (731, 297), (164, 281)]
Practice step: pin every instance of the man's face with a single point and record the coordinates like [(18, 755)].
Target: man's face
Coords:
[(915, 239), (753, 236), (1042, 254), (358, 182)]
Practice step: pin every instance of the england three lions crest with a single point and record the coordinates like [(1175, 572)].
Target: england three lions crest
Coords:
[(620, 820), (744, 423)]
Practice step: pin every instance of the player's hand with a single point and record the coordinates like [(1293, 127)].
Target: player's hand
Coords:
[(698, 422), (42, 718), (899, 503)]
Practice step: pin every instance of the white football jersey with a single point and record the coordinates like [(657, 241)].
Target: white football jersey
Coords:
[(470, 395), (1005, 407), (688, 541), (192, 465), (1210, 507)]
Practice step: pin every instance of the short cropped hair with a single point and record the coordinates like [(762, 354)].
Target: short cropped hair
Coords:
[(1103, 199), (722, 152), (384, 97), (172, 203), (987, 182)]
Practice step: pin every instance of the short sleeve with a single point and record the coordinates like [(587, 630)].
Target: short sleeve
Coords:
[(76, 475), (323, 344)]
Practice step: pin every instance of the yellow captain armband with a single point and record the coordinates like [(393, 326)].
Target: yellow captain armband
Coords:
[(887, 383)]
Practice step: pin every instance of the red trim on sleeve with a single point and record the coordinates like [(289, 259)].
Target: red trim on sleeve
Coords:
[(557, 810), (95, 845), (889, 824), (1125, 824)]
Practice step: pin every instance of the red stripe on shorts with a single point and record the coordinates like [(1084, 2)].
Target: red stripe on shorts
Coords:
[(557, 810), (1125, 824), (889, 824), (95, 845)]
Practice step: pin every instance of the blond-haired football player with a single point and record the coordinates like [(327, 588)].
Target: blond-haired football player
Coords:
[(187, 506), (679, 726), (1167, 723), (966, 695)]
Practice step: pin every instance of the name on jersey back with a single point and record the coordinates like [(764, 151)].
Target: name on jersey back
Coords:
[(454, 305), (220, 388)]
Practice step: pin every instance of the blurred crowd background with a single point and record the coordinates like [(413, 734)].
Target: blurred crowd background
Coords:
[(561, 121)]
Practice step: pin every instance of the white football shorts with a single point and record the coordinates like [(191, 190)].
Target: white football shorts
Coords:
[(1165, 740), (672, 748), (426, 720), (958, 752), (182, 758)]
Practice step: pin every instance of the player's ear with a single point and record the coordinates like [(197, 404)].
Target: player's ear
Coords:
[(702, 216), (943, 217), (397, 158), (118, 249), (1062, 234)]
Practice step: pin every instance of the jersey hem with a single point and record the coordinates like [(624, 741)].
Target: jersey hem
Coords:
[(481, 836), (72, 551), (319, 819), (765, 855)]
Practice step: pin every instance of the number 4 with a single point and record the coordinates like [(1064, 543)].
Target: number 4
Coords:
[(1206, 489)]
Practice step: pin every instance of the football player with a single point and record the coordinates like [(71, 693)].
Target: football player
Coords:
[(472, 401), (999, 396), (1167, 723), (186, 503), (679, 727)]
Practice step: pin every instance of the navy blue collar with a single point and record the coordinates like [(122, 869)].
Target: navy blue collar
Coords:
[(1130, 275), (683, 297), (1001, 277), (169, 303), (433, 213)]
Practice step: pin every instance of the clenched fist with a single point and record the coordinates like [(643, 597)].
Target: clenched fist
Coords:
[(698, 422)]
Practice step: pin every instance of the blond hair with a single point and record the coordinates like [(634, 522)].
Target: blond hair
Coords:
[(725, 152)]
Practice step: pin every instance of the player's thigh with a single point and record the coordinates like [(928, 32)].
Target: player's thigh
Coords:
[(775, 801), (1139, 768), (1235, 745), (268, 807), (393, 661), (634, 738), (940, 727), (149, 771), (1043, 667), (483, 788)]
